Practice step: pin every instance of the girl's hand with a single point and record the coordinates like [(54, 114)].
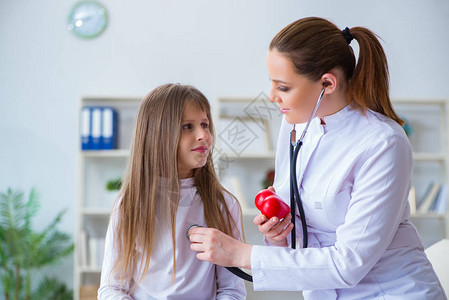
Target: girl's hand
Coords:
[(276, 232), (218, 248)]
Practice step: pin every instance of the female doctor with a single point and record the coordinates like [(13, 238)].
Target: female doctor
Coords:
[(353, 173)]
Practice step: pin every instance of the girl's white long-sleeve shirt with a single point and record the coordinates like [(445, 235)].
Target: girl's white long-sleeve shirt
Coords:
[(195, 279), (354, 174)]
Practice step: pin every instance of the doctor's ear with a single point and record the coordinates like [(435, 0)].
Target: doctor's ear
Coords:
[(329, 83)]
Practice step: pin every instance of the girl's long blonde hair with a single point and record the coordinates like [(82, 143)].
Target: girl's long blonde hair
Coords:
[(143, 211)]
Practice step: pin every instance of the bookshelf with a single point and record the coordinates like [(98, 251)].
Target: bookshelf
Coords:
[(429, 120), (94, 202)]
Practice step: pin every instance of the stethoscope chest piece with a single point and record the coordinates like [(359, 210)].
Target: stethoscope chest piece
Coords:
[(191, 227)]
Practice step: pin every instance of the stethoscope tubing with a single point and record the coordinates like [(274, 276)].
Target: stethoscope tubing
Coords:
[(240, 273), (295, 197)]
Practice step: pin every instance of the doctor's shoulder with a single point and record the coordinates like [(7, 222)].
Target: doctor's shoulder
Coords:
[(385, 125), (385, 133)]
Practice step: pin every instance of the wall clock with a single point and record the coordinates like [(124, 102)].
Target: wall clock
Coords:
[(87, 19)]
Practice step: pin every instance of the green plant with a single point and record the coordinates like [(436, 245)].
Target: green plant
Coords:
[(24, 250), (51, 288), (114, 184)]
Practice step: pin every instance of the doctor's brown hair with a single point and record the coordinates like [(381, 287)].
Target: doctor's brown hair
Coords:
[(315, 46), (150, 190)]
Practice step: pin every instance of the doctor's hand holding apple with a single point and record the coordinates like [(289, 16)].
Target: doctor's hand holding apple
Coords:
[(275, 217)]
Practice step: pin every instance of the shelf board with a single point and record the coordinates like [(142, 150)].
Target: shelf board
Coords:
[(434, 215), (419, 101), (106, 153), (89, 269), (96, 212), (429, 156)]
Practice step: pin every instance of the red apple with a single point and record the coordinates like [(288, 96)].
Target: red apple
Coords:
[(273, 206), (260, 197)]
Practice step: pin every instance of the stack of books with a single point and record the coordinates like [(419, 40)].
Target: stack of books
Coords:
[(91, 250), (434, 200)]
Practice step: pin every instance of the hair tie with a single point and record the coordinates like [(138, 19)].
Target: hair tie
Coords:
[(348, 35)]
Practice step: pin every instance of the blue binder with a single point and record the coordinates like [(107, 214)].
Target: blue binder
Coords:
[(96, 128), (108, 128), (85, 130), (99, 128)]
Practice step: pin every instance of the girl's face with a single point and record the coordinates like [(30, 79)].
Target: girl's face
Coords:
[(295, 93), (195, 141)]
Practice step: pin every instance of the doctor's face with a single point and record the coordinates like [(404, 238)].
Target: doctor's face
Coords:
[(295, 93)]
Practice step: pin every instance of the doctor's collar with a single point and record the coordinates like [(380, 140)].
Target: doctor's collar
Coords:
[(339, 117)]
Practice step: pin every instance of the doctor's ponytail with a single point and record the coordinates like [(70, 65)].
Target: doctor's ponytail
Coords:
[(315, 46), (369, 85)]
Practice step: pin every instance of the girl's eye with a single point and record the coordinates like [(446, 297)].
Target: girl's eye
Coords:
[(205, 125), (187, 126), (283, 88)]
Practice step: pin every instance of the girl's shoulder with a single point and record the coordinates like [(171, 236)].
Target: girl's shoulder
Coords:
[(228, 196), (230, 199), (115, 212)]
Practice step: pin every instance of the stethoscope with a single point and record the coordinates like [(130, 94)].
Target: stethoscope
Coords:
[(294, 189), (295, 197)]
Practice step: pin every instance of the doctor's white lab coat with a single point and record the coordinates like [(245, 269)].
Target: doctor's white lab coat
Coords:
[(354, 174)]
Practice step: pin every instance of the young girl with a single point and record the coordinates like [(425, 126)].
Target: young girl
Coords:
[(170, 185), (353, 174)]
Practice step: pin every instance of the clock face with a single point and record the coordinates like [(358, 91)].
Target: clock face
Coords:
[(87, 19)]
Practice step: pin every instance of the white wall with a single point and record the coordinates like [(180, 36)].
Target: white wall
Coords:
[(218, 46)]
